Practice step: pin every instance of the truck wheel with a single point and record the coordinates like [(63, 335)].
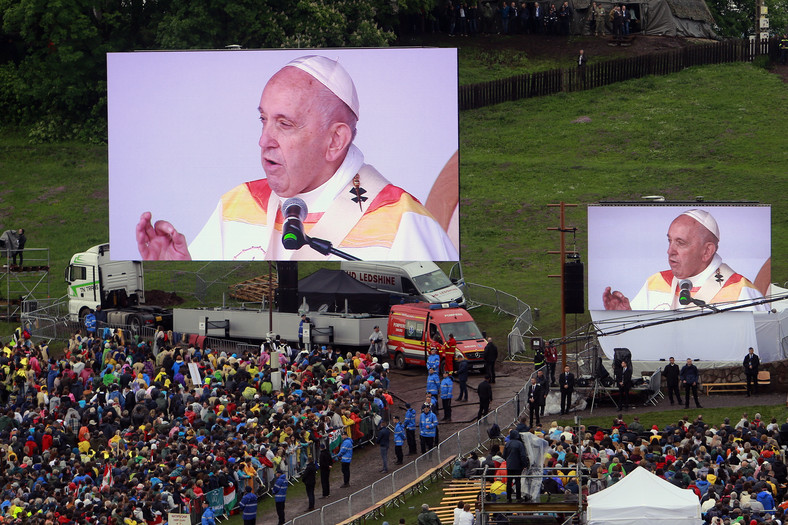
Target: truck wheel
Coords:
[(136, 324), (399, 361), (442, 368)]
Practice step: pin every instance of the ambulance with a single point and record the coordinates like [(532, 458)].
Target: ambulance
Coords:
[(415, 328)]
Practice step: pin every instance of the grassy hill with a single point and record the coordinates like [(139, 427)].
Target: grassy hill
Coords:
[(717, 131)]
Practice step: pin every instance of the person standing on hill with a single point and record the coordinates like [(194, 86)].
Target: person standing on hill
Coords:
[(599, 27)]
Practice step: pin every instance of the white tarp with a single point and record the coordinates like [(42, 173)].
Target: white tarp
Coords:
[(725, 336), (641, 498)]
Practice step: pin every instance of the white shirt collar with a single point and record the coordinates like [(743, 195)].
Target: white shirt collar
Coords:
[(319, 199)]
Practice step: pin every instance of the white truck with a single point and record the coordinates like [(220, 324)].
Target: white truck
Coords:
[(413, 281), (118, 287)]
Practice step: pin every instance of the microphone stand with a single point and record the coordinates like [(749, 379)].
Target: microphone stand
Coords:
[(294, 238), (325, 247)]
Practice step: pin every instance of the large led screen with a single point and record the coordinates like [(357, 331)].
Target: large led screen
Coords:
[(667, 257), (357, 146)]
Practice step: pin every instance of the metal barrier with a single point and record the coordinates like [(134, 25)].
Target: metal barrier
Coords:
[(480, 295)]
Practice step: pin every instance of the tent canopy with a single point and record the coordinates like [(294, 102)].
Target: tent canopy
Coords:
[(333, 287), (641, 498)]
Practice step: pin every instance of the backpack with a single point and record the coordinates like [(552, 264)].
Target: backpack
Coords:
[(494, 431)]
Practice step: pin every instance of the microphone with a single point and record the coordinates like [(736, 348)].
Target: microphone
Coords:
[(294, 210), (685, 285)]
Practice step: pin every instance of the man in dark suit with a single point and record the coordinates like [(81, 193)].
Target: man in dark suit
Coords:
[(624, 382), (671, 375), (566, 381), (534, 401), (751, 364), (484, 390), (538, 19), (581, 66), (490, 357)]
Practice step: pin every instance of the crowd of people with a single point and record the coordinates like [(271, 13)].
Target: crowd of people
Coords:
[(736, 470), (115, 430), (458, 18)]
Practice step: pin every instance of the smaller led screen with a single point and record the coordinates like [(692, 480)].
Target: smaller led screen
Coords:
[(667, 257), (207, 149)]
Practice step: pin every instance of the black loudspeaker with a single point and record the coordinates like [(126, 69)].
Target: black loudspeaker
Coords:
[(619, 356), (573, 287), (287, 290), (287, 272), (287, 299)]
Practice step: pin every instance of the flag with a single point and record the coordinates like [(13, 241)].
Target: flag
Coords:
[(107, 480), (335, 438), (230, 498)]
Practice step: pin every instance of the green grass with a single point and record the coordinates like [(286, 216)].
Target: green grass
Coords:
[(717, 131)]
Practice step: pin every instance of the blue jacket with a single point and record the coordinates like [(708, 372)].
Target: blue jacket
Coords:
[(208, 517), (399, 434), (410, 419), (433, 383), (428, 423), (433, 361), (766, 499), (249, 505), (346, 450), (280, 488), (447, 386)]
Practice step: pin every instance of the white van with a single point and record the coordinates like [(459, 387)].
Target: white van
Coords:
[(417, 281)]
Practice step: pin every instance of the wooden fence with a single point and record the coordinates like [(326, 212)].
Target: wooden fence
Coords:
[(609, 72)]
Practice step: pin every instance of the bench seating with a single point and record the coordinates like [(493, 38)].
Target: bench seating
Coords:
[(764, 379), (376, 510)]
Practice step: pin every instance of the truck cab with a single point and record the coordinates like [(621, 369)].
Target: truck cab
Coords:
[(414, 329), (118, 287)]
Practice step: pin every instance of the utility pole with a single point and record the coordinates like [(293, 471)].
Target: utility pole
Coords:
[(563, 252)]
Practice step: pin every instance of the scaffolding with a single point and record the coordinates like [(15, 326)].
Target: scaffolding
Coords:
[(22, 285)]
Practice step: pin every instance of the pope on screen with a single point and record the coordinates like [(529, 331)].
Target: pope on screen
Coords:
[(308, 110), (693, 240)]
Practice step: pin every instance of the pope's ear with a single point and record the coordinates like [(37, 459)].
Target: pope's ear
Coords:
[(340, 136)]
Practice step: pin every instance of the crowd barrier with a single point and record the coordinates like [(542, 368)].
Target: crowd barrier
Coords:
[(467, 440)]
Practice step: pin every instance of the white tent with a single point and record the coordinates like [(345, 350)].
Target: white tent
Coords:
[(641, 498)]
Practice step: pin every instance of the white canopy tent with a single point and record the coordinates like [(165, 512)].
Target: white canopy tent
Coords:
[(641, 498)]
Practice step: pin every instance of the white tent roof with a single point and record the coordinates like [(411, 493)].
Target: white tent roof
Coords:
[(641, 498)]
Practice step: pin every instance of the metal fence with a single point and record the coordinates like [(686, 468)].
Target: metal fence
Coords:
[(470, 438), (480, 295), (544, 83)]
